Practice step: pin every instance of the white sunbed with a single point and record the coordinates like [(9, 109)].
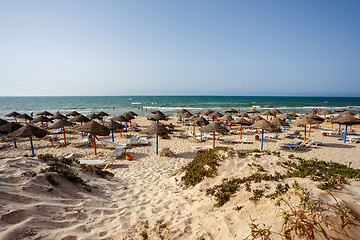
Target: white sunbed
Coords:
[(4, 145), (241, 141), (143, 141), (119, 152), (113, 144), (93, 162), (134, 140), (354, 139), (83, 142), (271, 136)]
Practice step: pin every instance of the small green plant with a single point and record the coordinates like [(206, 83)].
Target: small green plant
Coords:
[(291, 156), (259, 232), (95, 169), (29, 173), (280, 190), (238, 208), (50, 178), (64, 171), (257, 194)]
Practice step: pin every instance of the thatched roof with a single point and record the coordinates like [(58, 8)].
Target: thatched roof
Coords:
[(253, 110), (182, 111), (214, 127), (157, 111), (278, 122), (93, 116), (275, 111), (12, 114), (95, 128), (60, 124), (243, 114), (268, 113), (25, 116), (257, 117), (324, 112), (157, 129), (306, 120), (45, 113), (157, 117), (226, 118), (346, 113), (242, 121), (216, 114), (286, 116), (231, 110), (59, 116), (28, 131), (73, 113), (207, 112), (340, 110), (200, 121), (314, 116), (42, 119), (128, 116), (102, 114), (80, 118), (112, 125), (265, 125), (186, 115), (132, 113), (2, 121), (120, 118), (9, 127), (347, 119)]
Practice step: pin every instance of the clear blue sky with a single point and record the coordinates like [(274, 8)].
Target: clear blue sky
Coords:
[(183, 47)]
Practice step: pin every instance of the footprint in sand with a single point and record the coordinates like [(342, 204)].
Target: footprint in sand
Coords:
[(15, 217)]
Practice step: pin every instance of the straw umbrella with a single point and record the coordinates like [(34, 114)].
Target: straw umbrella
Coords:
[(316, 117), (214, 127), (275, 111), (157, 129), (185, 115), (45, 113), (73, 114), (253, 111), (59, 116), (347, 120), (112, 125), (324, 112), (304, 121), (182, 111), (278, 122), (157, 111), (61, 123), (215, 115), (346, 113), (267, 113), (227, 119), (340, 110), (257, 117), (13, 114), (264, 125), (2, 121), (242, 121), (200, 121), (102, 115), (231, 111), (207, 112), (41, 119), (286, 116), (29, 131), (156, 117), (80, 118), (121, 119), (132, 113), (243, 114), (129, 117), (25, 116), (94, 128), (9, 128)]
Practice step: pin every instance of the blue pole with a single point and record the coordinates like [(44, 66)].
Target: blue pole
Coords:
[(125, 126), (339, 127), (157, 143), (112, 135), (345, 133), (82, 134), (262, 138), (284, 128), (15, 143), (290, 120), (0, 135), (32, 147)]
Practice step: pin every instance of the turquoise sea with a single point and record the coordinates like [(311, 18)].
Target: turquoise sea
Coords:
[(170, 104)]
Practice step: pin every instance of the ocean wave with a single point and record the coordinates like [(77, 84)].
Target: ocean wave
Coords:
[(136, 103)]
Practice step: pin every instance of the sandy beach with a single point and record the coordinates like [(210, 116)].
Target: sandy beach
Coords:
[(146, 198)]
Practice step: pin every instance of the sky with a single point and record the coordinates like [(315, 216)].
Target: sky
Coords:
[(180, 47)]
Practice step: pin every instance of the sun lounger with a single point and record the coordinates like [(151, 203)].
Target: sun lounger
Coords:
[(291, 145), (93, 162), (353, 139), (83, 142), (271, 136), (58, 143), (165, 152), (113, 144), (143, 141), (134, 141), (4, 145), (330, 132), (241, 141), (295, 134), (119, 152)]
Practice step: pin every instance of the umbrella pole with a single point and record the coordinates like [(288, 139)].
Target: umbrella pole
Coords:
[(309, 131), (125, 126), (262, 139), (32, 147), (120, 132), (194, 129), (94, 142), (339, 128), (82, 133), (305, 133), (213, 140), (112, 135), (15, 120), (64, 136), (345, 132), (15, 143), (240, 131), (42, 125), (157, 143)]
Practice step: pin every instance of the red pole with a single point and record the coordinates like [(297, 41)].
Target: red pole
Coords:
[(64, 136), (213, 140), (120, 132), (42, 125), (194, 129), (15, 120), (240, 131), (94, 141), (309, 130), (305, 134)]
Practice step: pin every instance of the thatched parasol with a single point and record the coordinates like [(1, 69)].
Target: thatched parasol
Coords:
[(231, 111), (102, 114), (257, 117), (286, 116), (25, 116), (207, 112), (73, 114), (275, 111), (347, 120), (59, 116), (45, 113), (120, 119), (346, 113), (61, 123), (316, 117), (340, 110), (9, 128), (93, 116), (182, 111), (157, 129), (2, 121), (156, 117), (242, 121), (94, 128), (80, 118), (29, 131), (265, 125), (157, 111), (13, 114), (253, 111), (185, 115), (214, 127), (132, 113), (324, 112), (267, 113), (243, 114), (112, 125), (304, 121), (215, 115), (41, 119), (200, 121)]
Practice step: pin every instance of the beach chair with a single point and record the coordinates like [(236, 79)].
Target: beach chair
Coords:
[(165, 152), (134, 141), (295, 134), (113, 144), (143, 141), (291, 145), (118, 152), (270, 136), (200, 149), (58, 143), (4, 145), (240, 141), (96, 162), (83, 142), (353, 139)]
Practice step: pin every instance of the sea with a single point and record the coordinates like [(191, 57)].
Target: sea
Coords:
[(143, 105)]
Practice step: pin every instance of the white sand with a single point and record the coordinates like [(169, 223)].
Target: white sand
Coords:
[(144, 201)]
